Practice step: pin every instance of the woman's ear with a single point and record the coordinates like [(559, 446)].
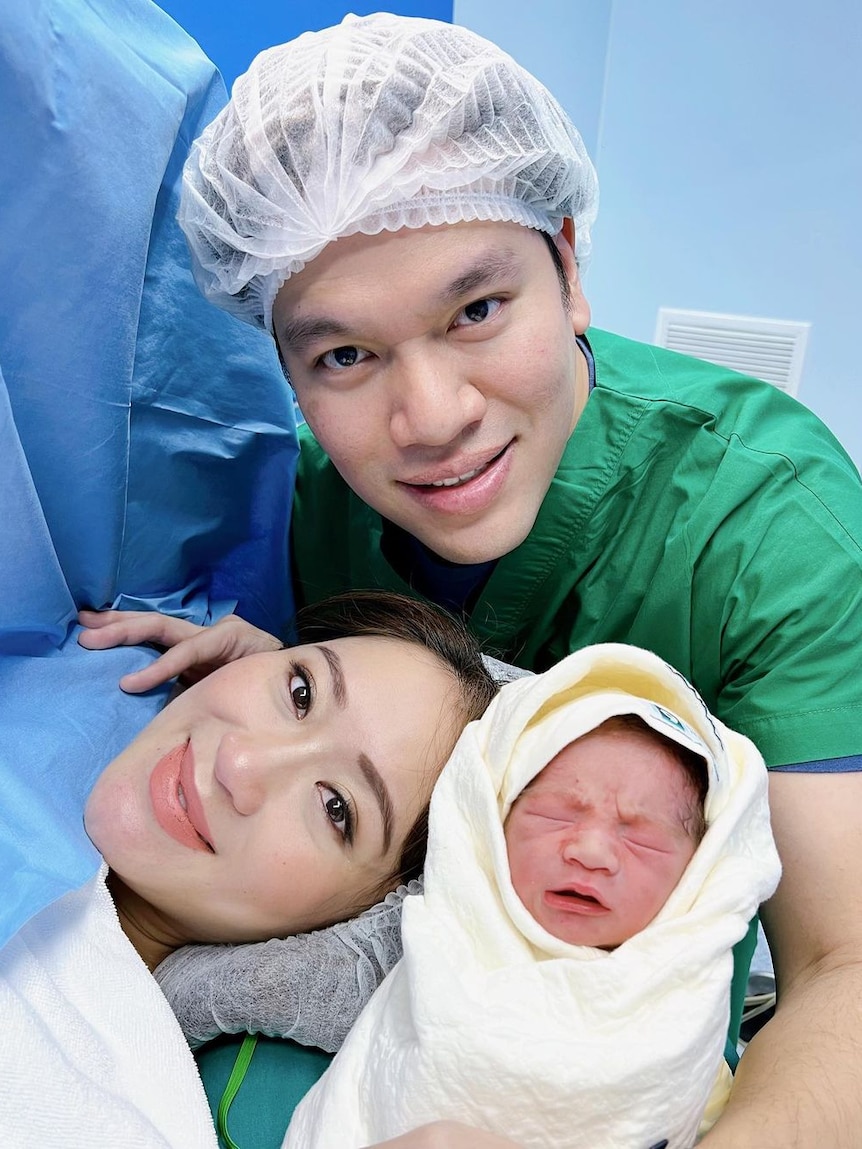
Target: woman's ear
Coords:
[(579, 308)]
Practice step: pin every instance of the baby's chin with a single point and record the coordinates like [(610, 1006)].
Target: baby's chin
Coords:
[(579, 932)]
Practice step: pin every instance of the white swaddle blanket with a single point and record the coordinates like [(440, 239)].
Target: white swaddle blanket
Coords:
[(91, 1055), (490, 1020)]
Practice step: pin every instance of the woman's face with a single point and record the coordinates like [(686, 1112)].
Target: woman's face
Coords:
[(274, 796)]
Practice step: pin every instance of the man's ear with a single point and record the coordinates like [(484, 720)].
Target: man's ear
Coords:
[(579, 308)]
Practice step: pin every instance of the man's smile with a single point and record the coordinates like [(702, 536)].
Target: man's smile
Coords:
[(460, 472)]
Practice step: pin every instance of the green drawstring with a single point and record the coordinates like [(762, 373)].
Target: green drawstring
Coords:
[(234, 1082)]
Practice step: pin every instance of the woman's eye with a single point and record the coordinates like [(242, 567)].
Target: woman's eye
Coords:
[(340, 357), (337, 810), (300, 691), (477, 312)]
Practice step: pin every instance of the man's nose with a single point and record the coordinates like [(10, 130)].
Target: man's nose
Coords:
[(248, 767), (591, 847), (432, 401)]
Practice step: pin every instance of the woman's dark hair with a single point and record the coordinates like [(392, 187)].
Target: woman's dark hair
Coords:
[(385, 614)]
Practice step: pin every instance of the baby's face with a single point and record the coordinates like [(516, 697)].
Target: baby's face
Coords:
[(600, 837)]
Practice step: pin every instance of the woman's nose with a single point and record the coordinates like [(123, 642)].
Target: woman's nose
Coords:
[(247, 767), (591, 847), (432, 403)]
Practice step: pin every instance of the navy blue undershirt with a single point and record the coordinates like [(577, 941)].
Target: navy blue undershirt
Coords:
[(849, 765), (457, 586)]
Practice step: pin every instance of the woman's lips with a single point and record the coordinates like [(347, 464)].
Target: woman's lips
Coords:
[(176, 802)]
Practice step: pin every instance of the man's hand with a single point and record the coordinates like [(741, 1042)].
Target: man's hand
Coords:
[(797, 1085), (193, 651)]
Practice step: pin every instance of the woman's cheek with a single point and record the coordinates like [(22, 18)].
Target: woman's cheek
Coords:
[(277, 877), (116, 820)]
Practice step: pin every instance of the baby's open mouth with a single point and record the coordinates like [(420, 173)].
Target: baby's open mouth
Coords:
[(571, 898), (575, 896)]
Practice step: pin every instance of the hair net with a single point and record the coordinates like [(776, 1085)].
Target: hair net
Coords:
[(378, 123)]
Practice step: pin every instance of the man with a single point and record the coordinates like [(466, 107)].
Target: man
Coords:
[(405, 209)]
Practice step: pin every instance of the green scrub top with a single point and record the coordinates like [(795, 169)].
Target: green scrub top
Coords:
[(695, 512)]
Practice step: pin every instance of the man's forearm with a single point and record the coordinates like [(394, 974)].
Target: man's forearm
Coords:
[(797, 1085)]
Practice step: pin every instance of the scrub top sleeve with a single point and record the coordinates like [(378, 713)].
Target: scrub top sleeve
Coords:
[(789, 628)]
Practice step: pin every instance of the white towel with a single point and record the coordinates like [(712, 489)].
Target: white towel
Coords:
[(492, 1021), (91, 1054)]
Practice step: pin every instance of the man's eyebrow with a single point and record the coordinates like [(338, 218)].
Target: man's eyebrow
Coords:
[(381, 793), (490, 268), (300, 333), (339, 687)]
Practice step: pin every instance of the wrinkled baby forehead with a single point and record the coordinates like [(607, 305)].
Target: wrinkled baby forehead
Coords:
[(559, 728)]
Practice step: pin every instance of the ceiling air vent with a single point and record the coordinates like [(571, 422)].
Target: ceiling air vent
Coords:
[(771, 349)]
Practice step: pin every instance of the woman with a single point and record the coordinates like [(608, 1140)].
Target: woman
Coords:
[(297, 761), (282, 793)]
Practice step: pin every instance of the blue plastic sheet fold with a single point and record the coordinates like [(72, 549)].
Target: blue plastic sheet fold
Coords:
[(147, 441)]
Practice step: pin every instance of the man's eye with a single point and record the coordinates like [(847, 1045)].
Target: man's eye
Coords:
[(337, 810), (340, 357), (477, 312), (299, 687)]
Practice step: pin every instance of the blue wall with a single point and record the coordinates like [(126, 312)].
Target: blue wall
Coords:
[(546, 36), (729, 154), (233, 34)]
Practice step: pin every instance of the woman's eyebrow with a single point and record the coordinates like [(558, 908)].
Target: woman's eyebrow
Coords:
[(380, 791), (370, 773), (339, 687), (490, 268)]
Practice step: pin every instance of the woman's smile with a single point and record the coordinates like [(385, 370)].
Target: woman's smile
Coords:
[(283, 787), (176, 802)]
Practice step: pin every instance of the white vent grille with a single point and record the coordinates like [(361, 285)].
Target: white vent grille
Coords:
[(771, 349)]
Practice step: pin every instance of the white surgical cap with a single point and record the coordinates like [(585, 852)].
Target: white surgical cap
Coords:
[(378, 123)]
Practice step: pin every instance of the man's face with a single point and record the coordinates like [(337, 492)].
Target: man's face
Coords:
[(438, 369), (599, 839)]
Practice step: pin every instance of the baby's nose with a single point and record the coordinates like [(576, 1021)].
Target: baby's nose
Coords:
[(591, 847)]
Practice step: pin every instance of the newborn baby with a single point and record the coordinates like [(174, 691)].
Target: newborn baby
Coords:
[(598, 843), (600, 837)]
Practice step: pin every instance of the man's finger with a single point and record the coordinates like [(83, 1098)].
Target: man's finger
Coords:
[(171, 664), (134, 629)]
